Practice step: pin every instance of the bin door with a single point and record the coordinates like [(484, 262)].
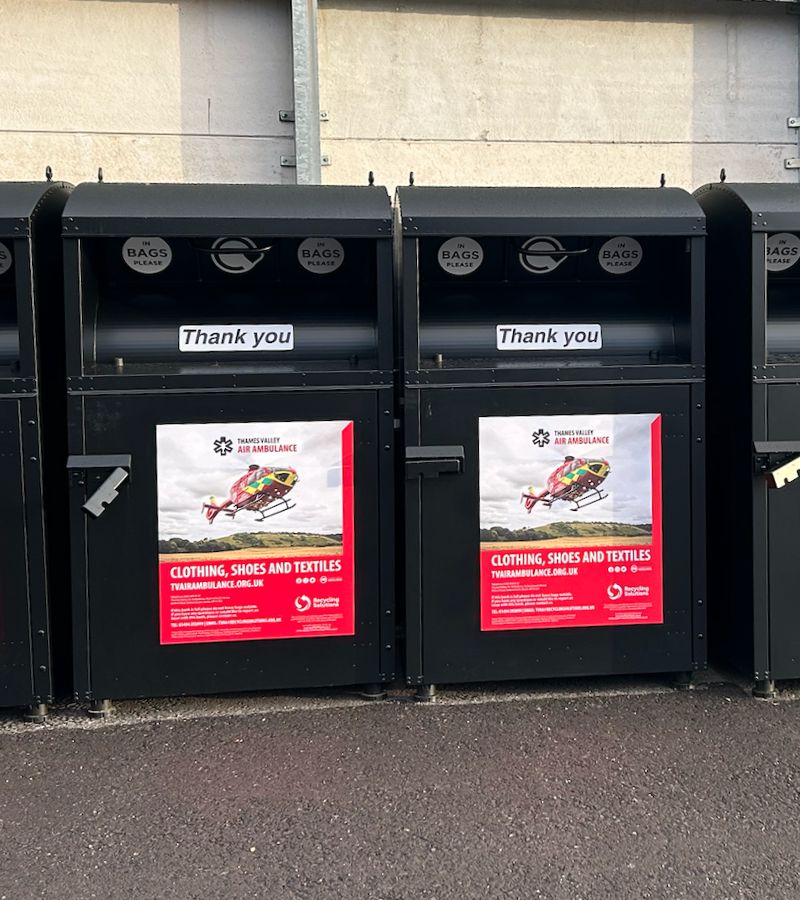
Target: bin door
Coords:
[(564, 543), (242, 550), (783, 533), (16, 603)]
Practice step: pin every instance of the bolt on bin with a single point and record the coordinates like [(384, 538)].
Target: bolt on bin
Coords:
[(553, 378), (229, 356), (754, 428), (29, 284)]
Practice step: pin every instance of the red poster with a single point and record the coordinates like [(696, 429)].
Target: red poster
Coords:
[(570, 521), (255, 531)]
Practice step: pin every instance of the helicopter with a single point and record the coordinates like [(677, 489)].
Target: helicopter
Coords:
[(261, 490), (576, 480)]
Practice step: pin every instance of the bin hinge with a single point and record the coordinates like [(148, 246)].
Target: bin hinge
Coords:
[(779, 461), (431, 462), (107, 492)]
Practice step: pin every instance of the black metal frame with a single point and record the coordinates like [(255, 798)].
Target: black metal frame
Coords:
[(29, 223), (316, 389), (427, 391), (753, 405)]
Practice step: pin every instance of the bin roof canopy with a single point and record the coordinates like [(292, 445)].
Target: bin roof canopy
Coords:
[(19, 200), (560, 211), (208, 210), (772, 207)]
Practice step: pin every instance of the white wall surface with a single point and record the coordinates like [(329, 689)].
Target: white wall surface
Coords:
[(148, 89), (558, 91), (469, 91)]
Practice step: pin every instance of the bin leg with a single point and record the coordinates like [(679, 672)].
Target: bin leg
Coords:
[(425, 693), (36, 713), (373, 692), (764, 688), (100, 709), (683, 681)]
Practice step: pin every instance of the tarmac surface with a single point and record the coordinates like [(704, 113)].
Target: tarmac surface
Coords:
[(601, 790)]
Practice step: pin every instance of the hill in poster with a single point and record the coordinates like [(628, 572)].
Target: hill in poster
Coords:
[(559, 530), (252, 541)]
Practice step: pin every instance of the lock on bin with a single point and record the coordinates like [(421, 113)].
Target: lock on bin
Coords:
[(754, 409), (230, 358), (553, 389)]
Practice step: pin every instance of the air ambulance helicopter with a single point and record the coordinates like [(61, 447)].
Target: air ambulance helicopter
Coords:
[(261, 490), (576, 480)]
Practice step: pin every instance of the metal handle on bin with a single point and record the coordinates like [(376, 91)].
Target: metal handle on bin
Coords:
[(431, 462), (778, 461), (223, 251), (552, 253), (107, 492)]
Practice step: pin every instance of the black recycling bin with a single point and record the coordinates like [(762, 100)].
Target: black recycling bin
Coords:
[(753, 337), (229, 356), (552, 361), (30, 309)]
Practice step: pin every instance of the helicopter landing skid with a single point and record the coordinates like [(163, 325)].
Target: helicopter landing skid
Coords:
[(588, 500), (276, 507)]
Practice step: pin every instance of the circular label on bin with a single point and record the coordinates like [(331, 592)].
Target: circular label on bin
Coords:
[(320, 255), (620, 255), (5, 259), (783, 251), (534, 258), (460, 255), (235, 256), (147, 255)]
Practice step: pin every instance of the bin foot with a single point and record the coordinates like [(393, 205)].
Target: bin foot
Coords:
[(682, 681), (373, 692), (425, 693), (100, 709), (36, 713), (764, 688)]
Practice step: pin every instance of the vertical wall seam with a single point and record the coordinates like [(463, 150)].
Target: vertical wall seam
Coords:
[(305, 79)]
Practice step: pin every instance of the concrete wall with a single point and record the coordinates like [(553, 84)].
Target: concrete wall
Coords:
[(506, 92), (558, 91), (150, 90)]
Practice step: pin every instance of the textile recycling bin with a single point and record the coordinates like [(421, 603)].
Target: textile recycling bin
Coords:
[(754, 428), (230, 364), (30, 310), (553, 368)]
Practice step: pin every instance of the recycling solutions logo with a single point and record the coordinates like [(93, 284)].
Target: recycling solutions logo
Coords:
[(541, 438), (223, 446), (302, 603), (614, 592)]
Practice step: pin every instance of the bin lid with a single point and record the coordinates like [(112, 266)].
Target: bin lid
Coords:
[(208, 210), (772, 207), (19, 202), (562, 211)]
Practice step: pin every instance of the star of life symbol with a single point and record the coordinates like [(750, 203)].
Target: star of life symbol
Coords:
[(541, 438), (223, 446)]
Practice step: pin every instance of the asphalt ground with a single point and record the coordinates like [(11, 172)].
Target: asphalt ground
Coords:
[(625, 789)]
